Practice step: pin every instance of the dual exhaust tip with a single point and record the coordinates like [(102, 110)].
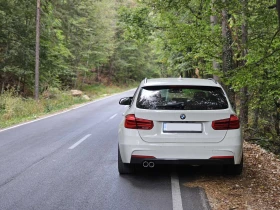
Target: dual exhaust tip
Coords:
[(147, 164)]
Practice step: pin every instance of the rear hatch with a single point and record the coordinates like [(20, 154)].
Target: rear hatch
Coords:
[(182, 114)]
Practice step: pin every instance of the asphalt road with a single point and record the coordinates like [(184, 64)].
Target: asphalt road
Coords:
[(69, 161)]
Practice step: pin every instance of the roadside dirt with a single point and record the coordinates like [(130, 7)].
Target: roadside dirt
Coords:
[(258, 188)]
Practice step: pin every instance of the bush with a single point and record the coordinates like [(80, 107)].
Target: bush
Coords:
[(15, 109)]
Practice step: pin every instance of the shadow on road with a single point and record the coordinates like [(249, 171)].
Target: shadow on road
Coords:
[(182, 170), (185, 172), (157, 183)]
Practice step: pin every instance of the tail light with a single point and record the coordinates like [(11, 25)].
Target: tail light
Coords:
[(226, 124), (137, 123)]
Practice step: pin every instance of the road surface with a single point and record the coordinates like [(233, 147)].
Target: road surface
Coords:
[(69, 161)]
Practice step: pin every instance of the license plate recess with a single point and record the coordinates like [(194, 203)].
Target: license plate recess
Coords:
[(170, 127)]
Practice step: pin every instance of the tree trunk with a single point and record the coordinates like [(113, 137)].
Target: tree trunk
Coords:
[(2, 88), (244, 98), (227, 54), (84, 77), (111, 70), (256, 118), (37, 52), (97, 75), (278, 10), (277, 117), (214, 21)]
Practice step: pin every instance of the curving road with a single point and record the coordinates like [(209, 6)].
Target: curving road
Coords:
[(69, 161)]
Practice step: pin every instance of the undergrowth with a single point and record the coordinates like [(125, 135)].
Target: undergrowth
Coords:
[(15, 109)]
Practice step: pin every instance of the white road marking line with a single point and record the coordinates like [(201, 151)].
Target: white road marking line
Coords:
[(79, 142), (112, 117), (204, 199), (176, 192), (52, 115)]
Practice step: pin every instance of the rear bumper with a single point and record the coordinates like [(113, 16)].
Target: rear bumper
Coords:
[(221, 161), (178, 153), (131, 145), (181, 154)]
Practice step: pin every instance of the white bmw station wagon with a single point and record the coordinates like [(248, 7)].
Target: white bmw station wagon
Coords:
[(179, 121)]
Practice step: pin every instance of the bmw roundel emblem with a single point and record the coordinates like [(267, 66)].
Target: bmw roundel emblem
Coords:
[(182, 116)]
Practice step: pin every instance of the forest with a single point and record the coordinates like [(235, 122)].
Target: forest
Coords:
[(86, 42), (81, 42)]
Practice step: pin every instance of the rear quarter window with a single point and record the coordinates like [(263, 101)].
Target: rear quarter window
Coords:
[(182, 98)]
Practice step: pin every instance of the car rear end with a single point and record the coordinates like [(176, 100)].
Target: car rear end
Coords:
[(180, 121)]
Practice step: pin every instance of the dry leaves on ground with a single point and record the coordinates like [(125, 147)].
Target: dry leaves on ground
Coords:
[(257, 188)]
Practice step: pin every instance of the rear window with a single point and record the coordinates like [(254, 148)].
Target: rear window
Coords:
[(182, 98)]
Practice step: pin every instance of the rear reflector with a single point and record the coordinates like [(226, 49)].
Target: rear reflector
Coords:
[(132, 122), (222, 157), (142, 157), (226, 124)]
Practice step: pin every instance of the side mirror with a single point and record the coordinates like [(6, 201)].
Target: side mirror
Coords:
[(125, 101)]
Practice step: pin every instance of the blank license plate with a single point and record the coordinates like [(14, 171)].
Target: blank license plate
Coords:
[(182, 127)]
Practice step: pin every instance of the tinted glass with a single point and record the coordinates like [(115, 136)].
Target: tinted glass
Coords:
[(182, 98), (134, 95)]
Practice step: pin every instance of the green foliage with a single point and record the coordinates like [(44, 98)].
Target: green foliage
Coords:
[(81, 42), (138, 22), (109, 41), (133, 62), (184, 39), (100, 90), (15, 109), (16, 40)]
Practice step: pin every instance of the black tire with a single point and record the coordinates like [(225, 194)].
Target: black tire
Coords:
[(234, 169), (124, 168)]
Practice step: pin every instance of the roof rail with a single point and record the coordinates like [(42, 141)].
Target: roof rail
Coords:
[(145, 80), (213, 80)]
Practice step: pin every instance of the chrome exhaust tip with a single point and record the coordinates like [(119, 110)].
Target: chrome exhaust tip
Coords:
[(151, 164), (145, 164)]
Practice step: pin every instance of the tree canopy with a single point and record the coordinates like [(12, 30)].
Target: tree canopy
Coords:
[(81, 42), (120, 41), (236, 42)]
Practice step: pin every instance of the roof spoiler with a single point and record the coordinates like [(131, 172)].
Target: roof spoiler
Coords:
[(213, 80)]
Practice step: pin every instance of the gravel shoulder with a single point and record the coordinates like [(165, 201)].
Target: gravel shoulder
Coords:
[(257, 188)]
